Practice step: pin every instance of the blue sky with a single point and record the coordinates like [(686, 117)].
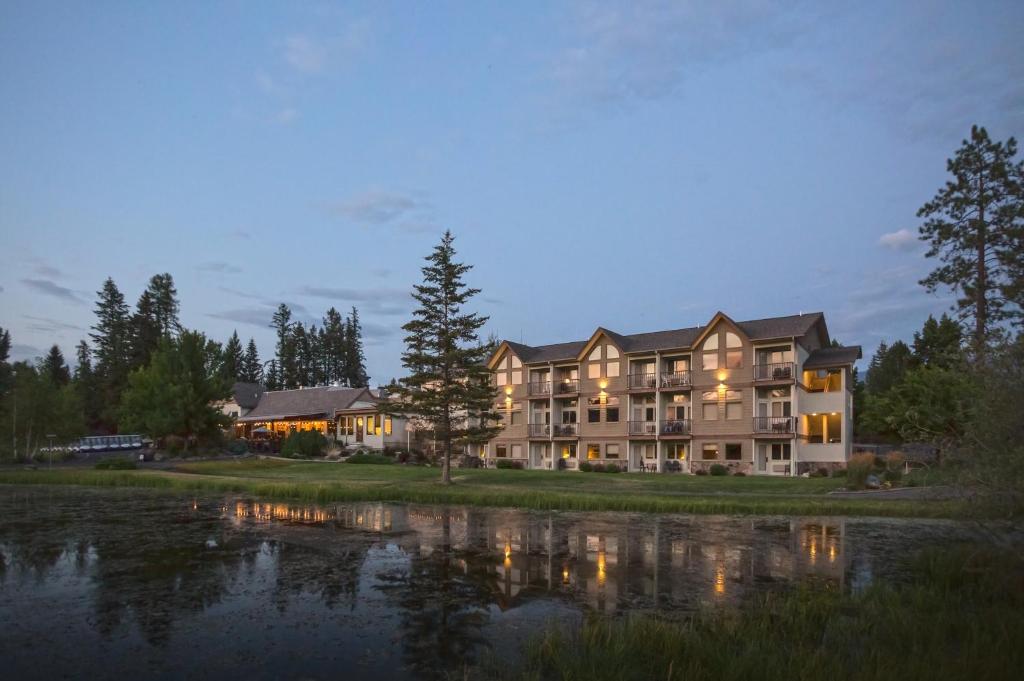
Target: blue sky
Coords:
[(631, 165)]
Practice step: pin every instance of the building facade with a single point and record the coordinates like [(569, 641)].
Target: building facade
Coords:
[(767, 396)]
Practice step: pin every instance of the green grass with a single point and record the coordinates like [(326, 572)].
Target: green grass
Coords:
[(323, 482), (960, 617)]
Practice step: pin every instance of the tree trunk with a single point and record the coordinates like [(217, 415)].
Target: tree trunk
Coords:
[(446, 462), (980, 304)]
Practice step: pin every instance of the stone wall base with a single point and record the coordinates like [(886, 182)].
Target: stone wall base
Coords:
[(745, 467), (811, 466)]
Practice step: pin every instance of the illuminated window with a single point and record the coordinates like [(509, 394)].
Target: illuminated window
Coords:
[(676, 451), (595, 354), (517, 451), (568, 450), (613, 352), (517, 377), (594, 370), (593, 452), (612, 369), (516, 364), (500, 378), (733, 451), (732, 340), (709, 452), (387, 425), (369, 424)]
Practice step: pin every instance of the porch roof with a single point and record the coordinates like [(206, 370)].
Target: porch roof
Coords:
[(306, 403)]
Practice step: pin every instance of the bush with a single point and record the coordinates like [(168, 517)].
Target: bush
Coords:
[(238, 447), (598, 468), (839, 473), (718, 469), (894, 461), (701, 471), (612, 468), (859, 468), (403, 457), (892, 475), (174, 444), (507, 464), (115, 465), (465, 461), (365, 457), (304, 445), (585, 466), (739, 474), (561, 464)]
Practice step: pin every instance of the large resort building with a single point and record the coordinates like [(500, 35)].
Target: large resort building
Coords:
[(767, 396)]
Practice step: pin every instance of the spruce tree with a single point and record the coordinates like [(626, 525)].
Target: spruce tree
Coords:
[(111, 336), (970, 226), (84, 382), (286, 373), (334, 347), (355, 361), (252, 370), (54, 369), (165, 304), (145, 331), (888, 367), (938, 343), (273, 376), (233, 358), (448, 385), (5, 367)]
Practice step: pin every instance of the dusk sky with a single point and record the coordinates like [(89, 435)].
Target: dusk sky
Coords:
[(635, 166)]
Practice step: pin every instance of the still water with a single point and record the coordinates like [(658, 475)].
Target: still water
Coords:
[(119, 584)]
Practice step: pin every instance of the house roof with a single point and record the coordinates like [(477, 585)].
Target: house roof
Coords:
[(833, 357), (246, 395), (321, 402), (792, 326)]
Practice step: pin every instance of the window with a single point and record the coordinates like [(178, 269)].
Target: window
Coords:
[(709, 410), (732, 340), (369, 424), (710, 452), (612, 369), (709, 358), (517, 377), (611, 451), (825, 429), (733, 451), (515, 418), (733, 405), (677, 366), (709, 396), (595, 354), (833, 429), (733, 359), (780, 451), (593, 452), (650, 451), (611, 415), (676, 451), (500, 378), (823, 380), (516, 364), (593, 415), (594, 370), (500, 451), (387, 425), (569, 450), (517, 451)]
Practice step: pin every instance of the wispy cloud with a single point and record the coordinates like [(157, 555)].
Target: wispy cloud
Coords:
[(900, 240), (218, 267), (286, 115), (379, 301), (21, 352), (240, 234), (406, 211), (304, 53), (50, 288), (47, 325), (311, 54)]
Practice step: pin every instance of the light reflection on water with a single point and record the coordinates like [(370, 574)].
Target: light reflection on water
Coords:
[(173, 586)]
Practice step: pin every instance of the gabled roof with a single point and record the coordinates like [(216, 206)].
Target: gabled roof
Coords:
[(792, 326), (246, 395), (833, 357), (317, 403)]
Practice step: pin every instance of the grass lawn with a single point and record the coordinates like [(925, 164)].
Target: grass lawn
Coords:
[(324, 482)]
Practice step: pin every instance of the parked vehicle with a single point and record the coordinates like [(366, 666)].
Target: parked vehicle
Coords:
[(110, 443)]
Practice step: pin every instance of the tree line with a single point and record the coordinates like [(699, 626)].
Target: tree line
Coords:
[(141, 371)]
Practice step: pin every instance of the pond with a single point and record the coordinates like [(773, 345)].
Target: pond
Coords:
[(142, 584)]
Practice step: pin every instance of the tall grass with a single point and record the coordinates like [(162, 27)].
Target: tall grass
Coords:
[(413, 488), (961, 618)]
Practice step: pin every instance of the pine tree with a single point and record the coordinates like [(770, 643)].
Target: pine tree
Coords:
[(286, 365), (334, 347), (145, 331), (969, 226), (300, 341), (54, 368), (5, 367), (233, 359), (273, 376), (887, 367), (165, 304), (355, 361), (448, 384), (938, 344), (252, 370), (112, 341), (84, 382)]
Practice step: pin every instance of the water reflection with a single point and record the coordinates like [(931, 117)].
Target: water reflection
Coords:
[(172, 586)]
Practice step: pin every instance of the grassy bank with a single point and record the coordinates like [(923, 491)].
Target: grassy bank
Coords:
[(323, 482), (961, 617)]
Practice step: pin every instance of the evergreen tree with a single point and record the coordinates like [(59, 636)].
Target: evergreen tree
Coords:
[(273, 376), (145, 330), (303, 358), (286, 365), (970, 226), (252, 370), (85, 385), (233, 359), (165, 303), (938, 343), (887, 367), (334, 348), (5, 367), (448, 385), (355, 361), (112, 342), (54, 368)]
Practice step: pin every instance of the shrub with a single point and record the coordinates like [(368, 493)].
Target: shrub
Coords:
[(879, 462), (365, 457), (701, 471), (859, 468), (598, 468), (839, 473), (612, 468), (561, 464), (403, 457), (892, 475), (509, 464), (585, 466), (238, 447), (304, 445), (740, 474), (115, 465), (894, 461), (174, 444), (718, 469)]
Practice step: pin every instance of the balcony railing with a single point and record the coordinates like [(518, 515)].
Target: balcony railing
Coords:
[(781, 425), (567, 386), (643, 380), (539, 429), (777, 371), (539, 388), (675, 379), (643, 428), (675, 427), (566, 429)]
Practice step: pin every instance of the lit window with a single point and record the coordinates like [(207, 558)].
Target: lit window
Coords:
[(593, 451), (517, 451), (387, 425), (612, 352), (595, 354), (569, 451), (594, 370), (612, 369), (710, 452), (516, 364), (710, 411), (369, 424), (732, 340), (517, 377)]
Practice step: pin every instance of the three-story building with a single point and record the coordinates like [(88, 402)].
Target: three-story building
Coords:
[(766, 396)]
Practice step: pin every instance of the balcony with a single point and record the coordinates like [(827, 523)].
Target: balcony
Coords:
[(643, 381), (675, 379), (539, 430), (566, 429), (775, 425), (539, 388), (675, 427), (643, 428), (778, 371), (567, 386)]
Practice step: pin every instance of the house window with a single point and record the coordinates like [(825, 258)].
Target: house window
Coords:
[(594, 370), (710, 452), (387, 425), (593, 452), (515, 418), (369, 424), (733, 451), (612, 370), (516, 363), (676, 451), (517, 377), (611, 415), (517, 451), (593, 415), (569, 450), (500, 451), (709, 356), (733, 351), (650, 451), (612, 352), (709, 411), (780, 451), (733, 405), (611, 451), (595, 354), (500, 378)]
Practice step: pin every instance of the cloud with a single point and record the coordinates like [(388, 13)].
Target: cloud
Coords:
[(20, 352), (286, 115), (50, 288), (901, 240), (242, 294), (374, 334), (1, 289), (47, 325), (218, 267), (240, 234), (304, 53), (405, 211), (373, 300), (261, 315)]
